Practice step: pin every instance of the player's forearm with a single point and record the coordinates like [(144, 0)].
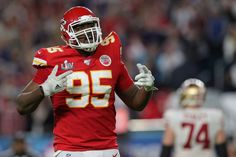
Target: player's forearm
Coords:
[(140, 99), (29, 101), (136, 98)]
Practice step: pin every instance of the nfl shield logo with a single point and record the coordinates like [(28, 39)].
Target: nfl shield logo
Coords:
[(105, 60)]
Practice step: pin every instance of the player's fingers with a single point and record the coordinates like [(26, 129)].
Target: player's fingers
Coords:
[(64, 84), (145, 69), (64, 81), (54, 70), (139, 83), (143, 80), (139, 66), (64, 74), (139, 76)]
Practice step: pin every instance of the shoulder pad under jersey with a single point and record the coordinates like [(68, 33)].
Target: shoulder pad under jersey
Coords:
[(112, 40), (42, 56), (170, 114)]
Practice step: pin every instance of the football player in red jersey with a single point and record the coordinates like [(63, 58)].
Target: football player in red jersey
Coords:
[(81, 79), (193, 130)]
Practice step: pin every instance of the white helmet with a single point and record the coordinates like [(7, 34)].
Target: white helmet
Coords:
[(192, 92)]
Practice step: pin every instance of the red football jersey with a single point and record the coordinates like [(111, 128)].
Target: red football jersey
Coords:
[(84, 113)]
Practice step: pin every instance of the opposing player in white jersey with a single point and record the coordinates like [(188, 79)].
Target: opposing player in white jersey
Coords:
[(193, 131)]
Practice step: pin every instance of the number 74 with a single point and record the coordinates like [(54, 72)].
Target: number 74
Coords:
[(202, 136)]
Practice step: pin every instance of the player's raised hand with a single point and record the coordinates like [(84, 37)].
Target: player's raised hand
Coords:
[(54, 83), (145, 78)]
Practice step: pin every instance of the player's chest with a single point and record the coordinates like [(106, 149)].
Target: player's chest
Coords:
[(78, 62), (100, 69)]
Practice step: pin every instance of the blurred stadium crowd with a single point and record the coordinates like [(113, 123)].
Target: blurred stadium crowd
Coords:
[(177, 39)]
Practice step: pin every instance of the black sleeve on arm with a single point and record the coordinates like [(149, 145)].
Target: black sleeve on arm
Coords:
[(221, 150), (166, 151)]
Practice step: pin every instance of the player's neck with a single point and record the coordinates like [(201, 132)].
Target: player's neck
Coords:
[(85, 53)]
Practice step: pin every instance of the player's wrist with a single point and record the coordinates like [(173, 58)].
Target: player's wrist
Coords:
[(150, 88), (45, 89), (41, 90)]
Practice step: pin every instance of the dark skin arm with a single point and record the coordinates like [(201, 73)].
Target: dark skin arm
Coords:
[(135, 98), (29, 99)]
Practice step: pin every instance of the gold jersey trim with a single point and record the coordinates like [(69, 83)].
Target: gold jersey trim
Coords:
[(39, 62)]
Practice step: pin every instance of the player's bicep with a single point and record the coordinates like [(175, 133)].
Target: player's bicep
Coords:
[(168, 138), (30, 87), (127, 95), (29, 99)]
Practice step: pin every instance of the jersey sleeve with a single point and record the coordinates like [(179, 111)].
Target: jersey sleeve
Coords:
[(219, 119), (40, 63), (124, 79), (169, 118), (40, 59)]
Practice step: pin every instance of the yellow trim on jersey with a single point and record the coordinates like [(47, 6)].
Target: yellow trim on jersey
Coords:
[(39, 62)]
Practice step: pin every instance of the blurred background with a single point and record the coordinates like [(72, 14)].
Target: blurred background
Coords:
[(176, 39)]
